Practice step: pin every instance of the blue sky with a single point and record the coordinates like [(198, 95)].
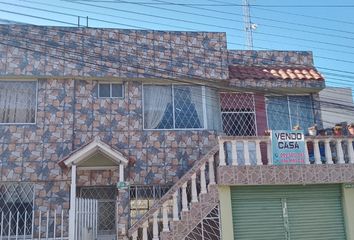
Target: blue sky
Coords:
[(281, 25)]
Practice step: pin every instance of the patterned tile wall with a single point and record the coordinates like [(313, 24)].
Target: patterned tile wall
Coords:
[(90, 52), (287, 174), (258, 57), (32, 152)]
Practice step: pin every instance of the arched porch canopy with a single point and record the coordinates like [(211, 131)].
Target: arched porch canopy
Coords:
[(95, 155)]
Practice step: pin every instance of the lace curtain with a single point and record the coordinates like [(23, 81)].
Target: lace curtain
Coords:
[(156, 100), (17, 101)]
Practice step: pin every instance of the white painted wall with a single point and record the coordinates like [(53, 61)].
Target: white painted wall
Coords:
[(336, 106)]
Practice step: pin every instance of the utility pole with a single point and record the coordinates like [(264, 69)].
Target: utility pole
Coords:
[(248, 24)]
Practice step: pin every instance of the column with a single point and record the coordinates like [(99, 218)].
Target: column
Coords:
[(317, 153), (258, 153), (211, 171), (72, 214), (328, 152), (155, 227), (234, 152), (222, 153), (184, 198), (246, 153), (203, 188), (175, 206), (340, 154), (165, 218)]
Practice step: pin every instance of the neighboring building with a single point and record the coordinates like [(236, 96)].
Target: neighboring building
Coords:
[(336, 106), (83, 111)]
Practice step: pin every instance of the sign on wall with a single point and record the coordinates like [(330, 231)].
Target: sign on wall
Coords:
[(288, 147)]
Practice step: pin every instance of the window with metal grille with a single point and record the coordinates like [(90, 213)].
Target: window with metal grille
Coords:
[(106, 197), (238, 114), (284, 112), (180, 107), (143, 197), (16, 208), (173, 107), (110, 90)]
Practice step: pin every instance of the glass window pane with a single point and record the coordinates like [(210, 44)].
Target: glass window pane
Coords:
[(301, 111), (213, 109), (104, 90), (188, 107), (17, 101), (278, 113), (158, 112), (117, 90)]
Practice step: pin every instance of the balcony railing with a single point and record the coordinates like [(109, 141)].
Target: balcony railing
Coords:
[(245, 151)]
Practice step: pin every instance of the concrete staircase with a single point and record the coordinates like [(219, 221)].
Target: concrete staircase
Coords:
[(183, 208)]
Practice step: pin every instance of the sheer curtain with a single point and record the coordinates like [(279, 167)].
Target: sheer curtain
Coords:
[(156, 100), (197, 100), (17, 101), (213, 109)]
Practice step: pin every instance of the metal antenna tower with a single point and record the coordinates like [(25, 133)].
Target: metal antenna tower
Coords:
[(248, 24)]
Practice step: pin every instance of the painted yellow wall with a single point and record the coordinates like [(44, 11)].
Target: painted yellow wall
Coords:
[(227, 229), (348, 208)]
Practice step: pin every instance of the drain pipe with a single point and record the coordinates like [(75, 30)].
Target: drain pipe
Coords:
[(74, 119)]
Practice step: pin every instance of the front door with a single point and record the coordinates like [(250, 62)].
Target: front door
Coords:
[(106, 209)]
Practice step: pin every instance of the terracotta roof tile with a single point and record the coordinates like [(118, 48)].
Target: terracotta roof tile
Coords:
[(274, 73)]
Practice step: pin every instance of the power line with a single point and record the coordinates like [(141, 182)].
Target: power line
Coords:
[(197, 30), (298, 15), (99, 57), (307, 16), (218, 5), (101, 66), (141, 20), (231, 35), (294, 64), (211, 25), (262, 18)]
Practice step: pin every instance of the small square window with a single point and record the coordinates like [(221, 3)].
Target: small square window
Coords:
[(110, 90)]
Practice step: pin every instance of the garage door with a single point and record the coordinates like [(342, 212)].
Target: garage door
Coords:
[(288, 212)]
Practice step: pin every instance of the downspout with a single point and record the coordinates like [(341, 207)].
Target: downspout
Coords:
[(74, 119)]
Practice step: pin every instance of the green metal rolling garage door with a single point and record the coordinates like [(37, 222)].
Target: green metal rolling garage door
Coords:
[(311, 212)]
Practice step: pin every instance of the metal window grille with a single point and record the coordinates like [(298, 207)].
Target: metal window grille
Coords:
[(176, 107), (208, 228), (143, 197), (238, 114), (106, 197), (16, 208)]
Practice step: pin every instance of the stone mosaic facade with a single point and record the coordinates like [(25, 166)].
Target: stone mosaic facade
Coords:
[(273, 57), (286, 174), (90, 52), (31, 152), (69, 63)]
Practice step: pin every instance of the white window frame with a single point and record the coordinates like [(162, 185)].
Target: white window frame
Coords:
[(36, 105), (252, 112), (110, 89), (173, 106), (287, 98)]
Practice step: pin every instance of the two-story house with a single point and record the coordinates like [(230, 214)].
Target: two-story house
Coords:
[(116, 134)]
